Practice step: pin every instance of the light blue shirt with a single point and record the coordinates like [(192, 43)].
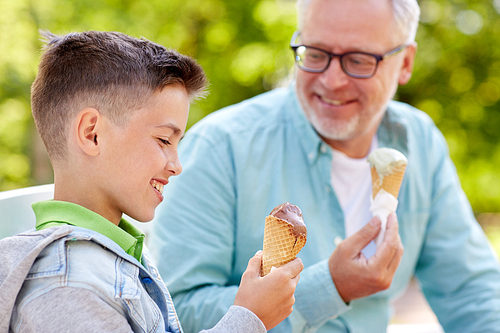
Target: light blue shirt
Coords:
[(242, 161)]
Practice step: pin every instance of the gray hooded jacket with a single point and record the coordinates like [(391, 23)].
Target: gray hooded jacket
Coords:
[(73, 279)]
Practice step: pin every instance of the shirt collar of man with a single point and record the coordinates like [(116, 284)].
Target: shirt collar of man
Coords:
[(52, 213)]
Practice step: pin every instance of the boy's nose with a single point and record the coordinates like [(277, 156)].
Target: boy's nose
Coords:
[(174, 166)]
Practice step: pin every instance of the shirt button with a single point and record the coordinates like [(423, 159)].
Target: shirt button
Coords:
[(337, 240), (323, 148), (311, 156), (147, 280)]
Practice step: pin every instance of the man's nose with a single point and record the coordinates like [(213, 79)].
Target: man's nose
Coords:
[(334, 77)]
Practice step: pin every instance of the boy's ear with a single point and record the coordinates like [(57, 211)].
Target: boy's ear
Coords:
[(87, 125)]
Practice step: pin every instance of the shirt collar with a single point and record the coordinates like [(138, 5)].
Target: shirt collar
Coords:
[(52, 213), (391, 133), (311, 142)]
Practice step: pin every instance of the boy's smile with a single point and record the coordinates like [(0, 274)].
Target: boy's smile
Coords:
[(157, 185)]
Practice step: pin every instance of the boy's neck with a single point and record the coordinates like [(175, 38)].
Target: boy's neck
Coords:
[(72, 190)]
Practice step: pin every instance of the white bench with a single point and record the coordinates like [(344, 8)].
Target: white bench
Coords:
[(17, 216)]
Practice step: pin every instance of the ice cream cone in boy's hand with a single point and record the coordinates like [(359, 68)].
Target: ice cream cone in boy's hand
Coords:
[(387, 168), (285, 234)]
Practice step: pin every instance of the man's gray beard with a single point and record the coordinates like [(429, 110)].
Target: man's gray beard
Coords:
[(336, 130)]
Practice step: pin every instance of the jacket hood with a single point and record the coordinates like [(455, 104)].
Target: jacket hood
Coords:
[(17, 255)]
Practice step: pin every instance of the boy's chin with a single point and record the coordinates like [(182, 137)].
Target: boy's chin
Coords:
[(144, 218)]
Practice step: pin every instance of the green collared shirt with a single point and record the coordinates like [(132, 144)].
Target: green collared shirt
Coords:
[(53, 213)]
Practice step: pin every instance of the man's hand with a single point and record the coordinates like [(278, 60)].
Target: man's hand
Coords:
[(353, 274), (270, 297)]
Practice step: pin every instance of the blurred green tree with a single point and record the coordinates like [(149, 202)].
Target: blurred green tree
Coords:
[(243, 47), (457, 82)]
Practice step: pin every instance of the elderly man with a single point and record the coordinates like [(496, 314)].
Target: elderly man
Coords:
[(308, 145)]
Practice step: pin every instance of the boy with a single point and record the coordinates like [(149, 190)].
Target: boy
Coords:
[(111, 110)]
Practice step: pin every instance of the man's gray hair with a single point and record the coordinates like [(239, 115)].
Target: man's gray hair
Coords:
[(406, 16)]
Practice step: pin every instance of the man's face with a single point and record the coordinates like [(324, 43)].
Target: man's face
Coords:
[(341, 107)]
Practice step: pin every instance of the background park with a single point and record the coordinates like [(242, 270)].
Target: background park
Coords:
[(243, 47)]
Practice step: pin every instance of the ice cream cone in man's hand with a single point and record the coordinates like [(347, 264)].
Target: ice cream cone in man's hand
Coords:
[(387, 168), (285, 234)]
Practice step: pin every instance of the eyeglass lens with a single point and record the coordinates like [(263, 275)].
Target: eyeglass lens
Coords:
[(317, 60)]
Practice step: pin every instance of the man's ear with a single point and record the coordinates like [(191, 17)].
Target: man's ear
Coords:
[(88, 123), (407, 66)]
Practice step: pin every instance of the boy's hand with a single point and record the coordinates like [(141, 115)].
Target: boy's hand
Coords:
[(270, 297)]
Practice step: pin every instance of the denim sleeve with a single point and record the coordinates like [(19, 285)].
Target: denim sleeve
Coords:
[(70, 310), (457, 269)]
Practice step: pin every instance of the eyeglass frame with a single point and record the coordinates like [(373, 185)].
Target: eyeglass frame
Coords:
[(331, 55)]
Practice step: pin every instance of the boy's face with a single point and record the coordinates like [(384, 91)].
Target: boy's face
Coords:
[(141, 156)]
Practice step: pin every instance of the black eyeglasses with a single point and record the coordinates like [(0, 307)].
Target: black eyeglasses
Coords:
[(359, 65)]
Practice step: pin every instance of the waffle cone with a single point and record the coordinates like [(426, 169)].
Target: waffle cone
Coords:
[(390, 183), (280, 244)]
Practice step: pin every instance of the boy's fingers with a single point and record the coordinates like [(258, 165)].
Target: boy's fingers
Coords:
[(254, 264), (294, 267), (296, 279)]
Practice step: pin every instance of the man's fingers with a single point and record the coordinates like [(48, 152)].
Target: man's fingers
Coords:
[(392, 223), (391, 249), (396, 259), (354, 244), (393, 227)]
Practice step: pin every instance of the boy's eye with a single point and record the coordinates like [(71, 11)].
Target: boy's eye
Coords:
[(164, 142)]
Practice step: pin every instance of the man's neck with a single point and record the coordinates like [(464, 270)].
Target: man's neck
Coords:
[(357, 147)]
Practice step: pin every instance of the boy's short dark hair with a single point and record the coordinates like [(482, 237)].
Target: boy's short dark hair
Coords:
[(109, 71)]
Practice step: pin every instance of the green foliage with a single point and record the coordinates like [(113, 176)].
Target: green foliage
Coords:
[(457, 82), (243, 47)]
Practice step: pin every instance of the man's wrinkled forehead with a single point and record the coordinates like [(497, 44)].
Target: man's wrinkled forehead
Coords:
[(302, 7), (363, 16)]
